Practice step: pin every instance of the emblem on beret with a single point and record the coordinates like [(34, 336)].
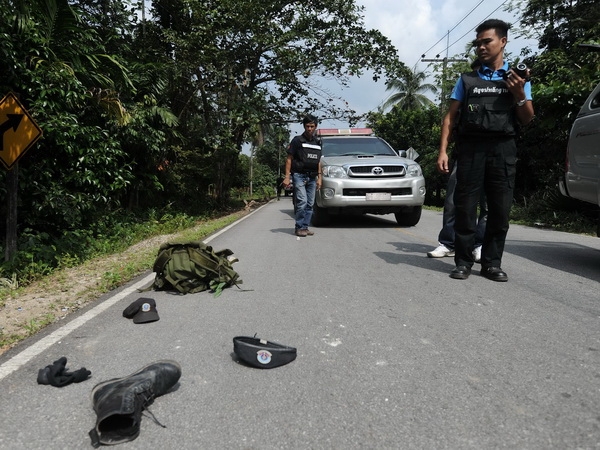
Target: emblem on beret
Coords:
[(263, 356)]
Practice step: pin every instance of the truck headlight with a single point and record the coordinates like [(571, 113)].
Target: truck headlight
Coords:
[(334, 172), (414, 170)]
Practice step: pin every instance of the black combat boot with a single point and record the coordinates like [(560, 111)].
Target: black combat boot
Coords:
[(119, 402)]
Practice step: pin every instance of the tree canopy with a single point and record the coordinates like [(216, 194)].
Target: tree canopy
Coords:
[(139, 109)]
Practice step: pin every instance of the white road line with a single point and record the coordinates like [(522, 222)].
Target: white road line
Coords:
[(38, 347)]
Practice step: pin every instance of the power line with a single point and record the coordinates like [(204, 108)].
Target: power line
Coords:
[(471, 30), (454, 27), (457, 24)]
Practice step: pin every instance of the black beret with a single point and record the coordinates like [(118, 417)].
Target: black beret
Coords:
[(262, 353)]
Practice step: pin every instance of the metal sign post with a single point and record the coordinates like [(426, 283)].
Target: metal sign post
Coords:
[(18, 133)]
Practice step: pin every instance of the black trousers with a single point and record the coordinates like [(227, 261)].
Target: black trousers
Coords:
[(487, 164)]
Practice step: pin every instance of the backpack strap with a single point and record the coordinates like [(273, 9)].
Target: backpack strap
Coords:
[(164, 254), (199, 258)]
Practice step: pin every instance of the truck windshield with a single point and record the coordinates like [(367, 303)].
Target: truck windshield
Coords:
[(342, 146)]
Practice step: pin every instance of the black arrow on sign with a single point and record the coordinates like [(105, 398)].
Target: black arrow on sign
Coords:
[(13, 122)]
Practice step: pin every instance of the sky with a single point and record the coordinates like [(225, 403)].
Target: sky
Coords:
[(430, 27)]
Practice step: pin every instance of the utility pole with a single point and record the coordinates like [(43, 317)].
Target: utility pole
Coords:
[(444, 62), (12, 186), (144, 18), (251, 175)]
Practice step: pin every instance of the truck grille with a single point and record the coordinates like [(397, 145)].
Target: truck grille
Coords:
[(377, 171)]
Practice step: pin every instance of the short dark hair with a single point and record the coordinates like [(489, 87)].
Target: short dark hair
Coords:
[(500, 26), (309, 119)]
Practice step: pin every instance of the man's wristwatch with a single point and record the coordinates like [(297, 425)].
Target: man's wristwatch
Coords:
[(521, 102)]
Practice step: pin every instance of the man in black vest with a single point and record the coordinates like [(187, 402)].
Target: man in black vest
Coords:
[(490, 104), (304, 165)]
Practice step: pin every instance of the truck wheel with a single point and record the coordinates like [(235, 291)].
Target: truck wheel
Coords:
[(321, 216), (409, 217)]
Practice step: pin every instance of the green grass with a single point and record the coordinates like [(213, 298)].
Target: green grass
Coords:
[(554, 212)]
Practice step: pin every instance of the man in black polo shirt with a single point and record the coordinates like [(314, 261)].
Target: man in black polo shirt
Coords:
[(303, 164)]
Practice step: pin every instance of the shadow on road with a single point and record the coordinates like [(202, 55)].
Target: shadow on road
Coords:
[(352, 221), (564, 256), (363, 221), (415, 255), (287, 230)]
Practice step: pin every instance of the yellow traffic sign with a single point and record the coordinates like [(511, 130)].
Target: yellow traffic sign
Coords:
[(18, 131)]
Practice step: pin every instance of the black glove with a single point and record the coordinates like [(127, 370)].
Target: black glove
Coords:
[(57, 374)]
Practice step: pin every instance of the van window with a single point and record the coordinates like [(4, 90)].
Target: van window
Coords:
[(595, 103)]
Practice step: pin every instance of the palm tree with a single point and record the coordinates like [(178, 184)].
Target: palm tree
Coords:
[(410, 91)]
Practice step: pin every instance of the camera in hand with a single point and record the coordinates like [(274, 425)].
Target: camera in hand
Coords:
[(520, 69)]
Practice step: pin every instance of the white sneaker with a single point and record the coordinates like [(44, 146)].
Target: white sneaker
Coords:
[(440, 252), (477, 254)]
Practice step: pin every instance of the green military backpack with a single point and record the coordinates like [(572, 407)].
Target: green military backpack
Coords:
[(193, 267)]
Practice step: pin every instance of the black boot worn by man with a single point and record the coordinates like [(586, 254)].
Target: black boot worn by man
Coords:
[(494, 274), (119, 402), (460, 273)]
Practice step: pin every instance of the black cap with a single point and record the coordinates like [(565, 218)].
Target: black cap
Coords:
[(262, 353), (142, 310)]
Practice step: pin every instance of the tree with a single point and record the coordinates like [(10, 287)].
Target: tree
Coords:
[(563, 74), (59, 69), (410, 91), (236, 65)]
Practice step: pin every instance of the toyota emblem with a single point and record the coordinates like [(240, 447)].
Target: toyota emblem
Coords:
[(377, 170)]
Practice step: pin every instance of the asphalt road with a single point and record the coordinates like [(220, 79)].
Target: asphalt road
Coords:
[(392, 353)]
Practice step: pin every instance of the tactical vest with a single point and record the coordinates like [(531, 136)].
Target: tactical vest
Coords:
[(488, 108), (307, 156)]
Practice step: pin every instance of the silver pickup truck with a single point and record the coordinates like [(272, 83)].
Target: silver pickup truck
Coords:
[(363, 174), (582, 175)]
